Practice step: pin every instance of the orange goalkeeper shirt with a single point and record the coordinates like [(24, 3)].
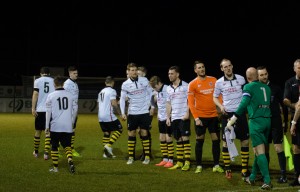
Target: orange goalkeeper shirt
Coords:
[(200, 97)]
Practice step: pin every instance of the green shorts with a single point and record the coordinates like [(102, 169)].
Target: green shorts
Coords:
[(259, 129)]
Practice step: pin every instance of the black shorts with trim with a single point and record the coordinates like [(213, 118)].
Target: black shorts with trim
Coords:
[(241, 127), (211, 123), (60, 137), (181, 128), (142, 121), (164, 128), (40, 121), (111, 126)]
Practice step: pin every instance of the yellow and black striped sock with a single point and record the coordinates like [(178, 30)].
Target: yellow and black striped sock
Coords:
[(245, 158), (179, 151), (54, 157), (114, 137), (36, 143), (170, 150), (226, 158), (131, 146), (187, 150), (105, 139), (47, 144), (164, 149), (146, 146), (68, 151), (73, 140)]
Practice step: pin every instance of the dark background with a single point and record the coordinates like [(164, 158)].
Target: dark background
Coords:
[(101, 37)]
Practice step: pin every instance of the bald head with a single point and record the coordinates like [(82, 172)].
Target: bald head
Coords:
[(251, 74)]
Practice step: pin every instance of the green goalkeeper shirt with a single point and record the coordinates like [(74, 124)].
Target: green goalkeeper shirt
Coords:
[(256, 99)]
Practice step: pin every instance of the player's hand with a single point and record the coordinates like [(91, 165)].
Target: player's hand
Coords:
[(229, 128), (198, 122), (231, 121), (185, 117), (47, 132), (34, 113), (293, 130), (168, 122), (222, 110), (151, 111), (124, 117)]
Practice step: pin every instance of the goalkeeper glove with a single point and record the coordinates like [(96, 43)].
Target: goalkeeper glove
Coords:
[(231, 121)]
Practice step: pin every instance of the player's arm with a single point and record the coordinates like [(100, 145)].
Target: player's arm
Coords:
[(122, 103), (284, 111), (187, 114), (168, 111), (241, 109), (294, 121), (191, 103), (74, 111), (48, 116), (153, 102), (114, 104), (216, 99), (149, 93), (219, 104), (35, 96)]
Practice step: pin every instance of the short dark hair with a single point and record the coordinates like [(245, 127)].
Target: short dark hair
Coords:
[(261, 67), (59, 80), (45, 70), (131, 65), (197, 62), (176, 68), (154, 81), (109, 79), (72, 68), (143, 69)]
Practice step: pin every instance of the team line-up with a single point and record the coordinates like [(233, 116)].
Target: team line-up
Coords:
[(247, 108)]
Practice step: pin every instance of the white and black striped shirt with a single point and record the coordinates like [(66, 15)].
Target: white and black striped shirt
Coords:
[(138, 93), (178, 99), (105, 109), (231, 90), (61, 111), (44, 85), (72, 87), (161, 97)]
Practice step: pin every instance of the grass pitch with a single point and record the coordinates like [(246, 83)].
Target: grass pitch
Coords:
[(20, 171)]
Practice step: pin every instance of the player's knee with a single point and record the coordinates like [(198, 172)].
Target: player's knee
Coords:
[(296, 149), (245, 143)]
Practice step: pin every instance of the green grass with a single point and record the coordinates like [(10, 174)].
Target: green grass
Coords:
[(20, 171)]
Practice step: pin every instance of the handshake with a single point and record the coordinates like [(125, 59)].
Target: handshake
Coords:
[(231, 121)]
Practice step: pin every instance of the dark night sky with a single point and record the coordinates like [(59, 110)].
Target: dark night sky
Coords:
[(101, 37)]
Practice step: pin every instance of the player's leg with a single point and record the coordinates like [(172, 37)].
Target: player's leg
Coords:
[(163, 143)]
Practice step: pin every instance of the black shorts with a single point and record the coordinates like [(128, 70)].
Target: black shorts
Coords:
[(181, 128), (212, 123), (142, 121), (40, 121), (60, 137), (241, 127), (164, 128), (296, 139), (276, 133), (111, 126)]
